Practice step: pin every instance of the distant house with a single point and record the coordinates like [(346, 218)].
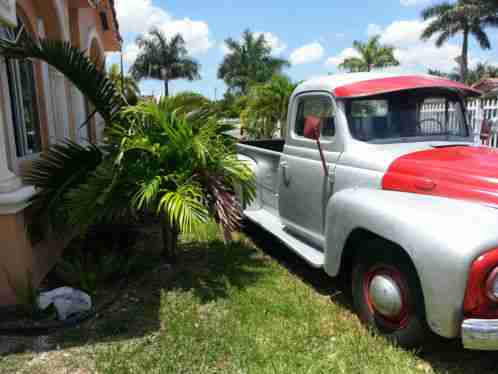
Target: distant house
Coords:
[(38, 107), (489, 86)]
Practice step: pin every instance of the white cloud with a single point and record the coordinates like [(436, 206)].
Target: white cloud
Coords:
[(223, 48), (138, 16), (336, 60), (130, 53), (195, 33), (412, 2), (307, 53), (414, 54), (276, 44), (373, 29), (401, 33), (429, 56)]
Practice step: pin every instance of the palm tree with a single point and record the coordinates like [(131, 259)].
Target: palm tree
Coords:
[(125, 84), (249, 61), (155, 160), (163, 59), (466, 17), (372, 55), (267, 107)]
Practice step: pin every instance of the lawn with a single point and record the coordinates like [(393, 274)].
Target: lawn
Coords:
[(246, 307)]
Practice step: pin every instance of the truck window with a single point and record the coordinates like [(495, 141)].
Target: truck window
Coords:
[(316, 108), (395, 117)]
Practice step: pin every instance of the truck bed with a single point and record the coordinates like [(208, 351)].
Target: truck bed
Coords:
[(266, 154)]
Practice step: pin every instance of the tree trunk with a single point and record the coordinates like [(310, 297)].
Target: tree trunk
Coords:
[(464, 63), (170, 241), (166, 88)]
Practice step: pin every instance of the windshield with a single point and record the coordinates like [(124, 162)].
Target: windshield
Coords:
[(405, 116)]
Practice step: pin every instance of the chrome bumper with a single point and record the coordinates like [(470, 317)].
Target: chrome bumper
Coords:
[(481, 334)]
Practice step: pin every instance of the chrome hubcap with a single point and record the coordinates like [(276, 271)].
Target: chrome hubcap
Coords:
[(385, 296)]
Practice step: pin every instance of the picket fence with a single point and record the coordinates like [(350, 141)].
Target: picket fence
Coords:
[(477, 111), (480, 110)]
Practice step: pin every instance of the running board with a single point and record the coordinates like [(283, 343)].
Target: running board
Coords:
[(272, 224)]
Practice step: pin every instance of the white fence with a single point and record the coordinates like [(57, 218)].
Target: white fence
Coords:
[(480, 110), (477, 111)]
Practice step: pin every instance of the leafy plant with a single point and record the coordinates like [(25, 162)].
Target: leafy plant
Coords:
[(267, 107), (89, 272), (126, 84), (184, 174)]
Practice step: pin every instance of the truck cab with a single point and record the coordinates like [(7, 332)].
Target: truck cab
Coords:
[(379, 179)]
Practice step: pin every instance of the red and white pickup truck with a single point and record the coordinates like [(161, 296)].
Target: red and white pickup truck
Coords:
[(371, 184)]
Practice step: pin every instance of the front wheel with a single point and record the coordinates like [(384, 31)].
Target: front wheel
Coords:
[(387, 295)]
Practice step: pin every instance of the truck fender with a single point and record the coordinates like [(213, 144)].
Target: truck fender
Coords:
[(441, 236)]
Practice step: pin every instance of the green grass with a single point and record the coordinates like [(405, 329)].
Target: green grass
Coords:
[(236, 309)]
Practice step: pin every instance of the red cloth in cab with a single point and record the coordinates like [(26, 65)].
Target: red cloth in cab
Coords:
[(312, 127)]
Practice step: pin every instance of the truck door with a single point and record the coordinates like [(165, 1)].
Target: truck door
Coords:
[(303, 186)]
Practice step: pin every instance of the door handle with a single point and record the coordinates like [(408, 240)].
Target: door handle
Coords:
[(285, 177)]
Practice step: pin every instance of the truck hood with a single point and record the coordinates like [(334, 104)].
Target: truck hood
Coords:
[(459, 172)]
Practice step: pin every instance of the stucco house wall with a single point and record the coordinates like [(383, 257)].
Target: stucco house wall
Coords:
[(60, 110)]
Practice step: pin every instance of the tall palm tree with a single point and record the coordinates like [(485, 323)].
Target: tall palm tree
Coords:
[(373, 55), (466, 17), (124, 83), (164, 59), (249, 61)]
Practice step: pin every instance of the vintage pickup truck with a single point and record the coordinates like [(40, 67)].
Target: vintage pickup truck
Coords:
[(374, 184)]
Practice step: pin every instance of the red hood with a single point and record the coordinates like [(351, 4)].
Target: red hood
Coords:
[(467, 173)]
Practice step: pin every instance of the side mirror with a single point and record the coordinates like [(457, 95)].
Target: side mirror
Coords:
[(312, 127)]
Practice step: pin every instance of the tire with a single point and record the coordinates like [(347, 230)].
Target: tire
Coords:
[(408, 328)]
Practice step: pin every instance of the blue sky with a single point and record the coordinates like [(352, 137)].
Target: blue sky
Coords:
[(315, 35)]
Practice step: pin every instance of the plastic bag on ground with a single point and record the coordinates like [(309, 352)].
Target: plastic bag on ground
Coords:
[(67, 301)]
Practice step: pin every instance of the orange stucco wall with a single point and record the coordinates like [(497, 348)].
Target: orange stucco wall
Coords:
[(18, 257)]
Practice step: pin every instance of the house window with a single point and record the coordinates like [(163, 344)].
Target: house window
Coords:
[(22, 89)]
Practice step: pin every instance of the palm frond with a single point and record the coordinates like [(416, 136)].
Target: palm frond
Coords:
[(184, 207), (103, 197), (73, 63), (60, 169), (148, 193)]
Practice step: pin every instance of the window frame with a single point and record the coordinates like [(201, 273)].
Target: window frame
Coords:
[(295, 112), (14, 100)]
